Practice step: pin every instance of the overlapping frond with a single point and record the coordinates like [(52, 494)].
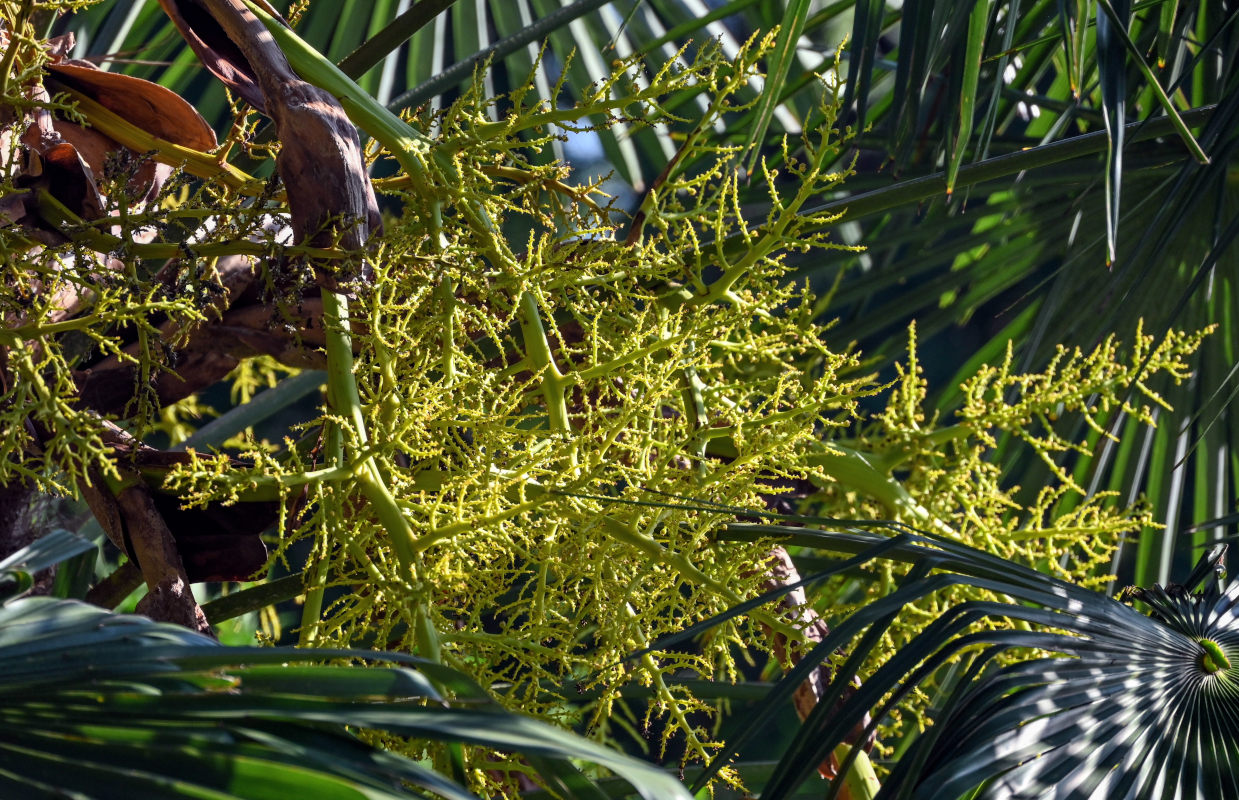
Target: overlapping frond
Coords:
[(1125, 704)]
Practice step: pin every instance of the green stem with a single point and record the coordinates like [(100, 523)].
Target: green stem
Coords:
[(447, 296), (412, 149), (538, 351), (666, 698), (264, 488), (406, 143), (312, 609), (344, 398), (890, 461), (434, 535), (10, 54), (195, 162), (863, 472), (315, 574), (772, 237), (56, 213), (861, 781)]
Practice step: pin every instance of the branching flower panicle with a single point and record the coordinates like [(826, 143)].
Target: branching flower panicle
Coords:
[(943, 477)]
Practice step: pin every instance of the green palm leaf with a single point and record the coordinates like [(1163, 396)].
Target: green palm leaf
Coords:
[(94, 704), (1139, 710), (1128, 706)]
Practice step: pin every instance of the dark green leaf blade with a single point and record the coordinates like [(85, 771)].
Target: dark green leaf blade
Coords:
[(778, 67), (978, 25)]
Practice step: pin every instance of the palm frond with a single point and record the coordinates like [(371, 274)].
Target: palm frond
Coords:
[(1126, 705), (104, 705)]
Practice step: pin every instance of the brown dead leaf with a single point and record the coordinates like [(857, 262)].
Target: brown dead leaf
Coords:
[(60, 169), (216, 50), (159, 111), (95, 147), (320, 161)]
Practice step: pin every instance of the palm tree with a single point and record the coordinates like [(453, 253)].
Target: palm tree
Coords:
[(1027, 174)]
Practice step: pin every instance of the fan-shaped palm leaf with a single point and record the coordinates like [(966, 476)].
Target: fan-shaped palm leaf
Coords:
[(1128, 706)]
